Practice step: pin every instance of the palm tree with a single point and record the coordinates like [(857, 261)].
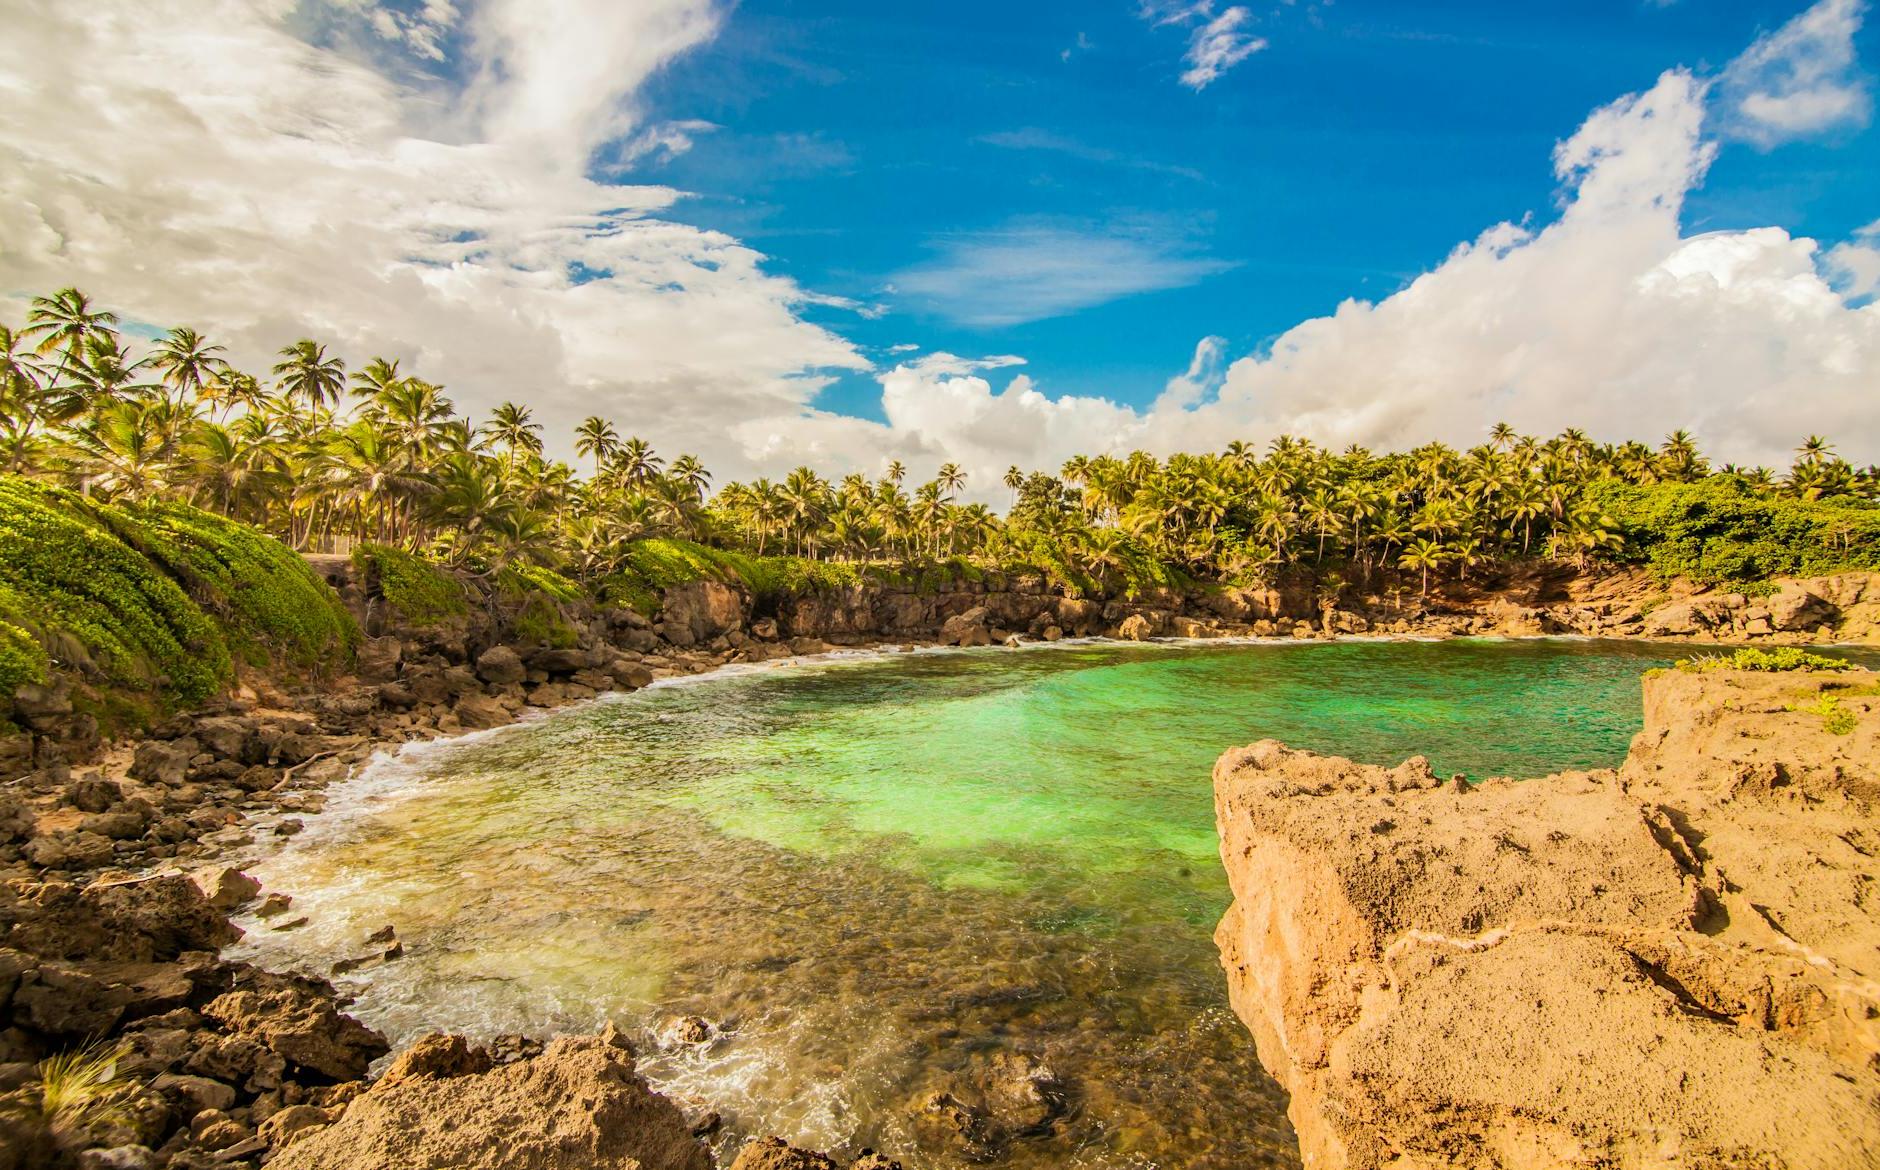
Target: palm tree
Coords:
[(1014, 479), (689, 473), (634, 462), (951, 478), (308, 374), (189, 363), (509, 425), (65, 323), (597, 438), (1423, 555)]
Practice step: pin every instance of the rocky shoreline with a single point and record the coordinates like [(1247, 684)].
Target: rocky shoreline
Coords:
[(1670, 964), (104, 941)]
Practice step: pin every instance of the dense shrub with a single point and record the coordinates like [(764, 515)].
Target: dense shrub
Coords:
[(420, 591), (95, 604), (1717, 530), (271, 604)]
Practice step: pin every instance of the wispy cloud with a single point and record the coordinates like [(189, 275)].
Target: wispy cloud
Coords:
[(1799, 80), (1080, 45), (1216, 41), (1029, 272), (1032, 138)]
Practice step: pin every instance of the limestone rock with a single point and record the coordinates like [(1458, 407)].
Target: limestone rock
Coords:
[(1558, 972), (577, 1106), (301, 1026), (1135, 628)]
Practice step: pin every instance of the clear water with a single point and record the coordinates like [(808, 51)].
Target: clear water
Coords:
[(876, 874)]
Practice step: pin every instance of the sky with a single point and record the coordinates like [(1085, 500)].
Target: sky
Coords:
[(779, 232)]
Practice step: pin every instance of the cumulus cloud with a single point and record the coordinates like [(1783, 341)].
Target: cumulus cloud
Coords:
[(193, 161), (1609, 318), (1799, 80), (1031, 271), (1855, 264)]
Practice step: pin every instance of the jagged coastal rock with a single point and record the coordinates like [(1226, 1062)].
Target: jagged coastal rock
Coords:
[(1676, 963)]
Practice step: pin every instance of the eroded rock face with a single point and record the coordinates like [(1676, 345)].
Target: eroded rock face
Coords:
[(1673, 964), (577, 1106)]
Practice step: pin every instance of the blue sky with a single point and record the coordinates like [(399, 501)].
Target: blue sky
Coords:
[(859, 141), (779, 232)]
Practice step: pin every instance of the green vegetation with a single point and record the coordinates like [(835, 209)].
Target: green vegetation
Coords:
[(151, 598), (1836, 718), (1782, 658), (96, 604), (269, 602), (1722, 529), (379, 459), (423, 593)]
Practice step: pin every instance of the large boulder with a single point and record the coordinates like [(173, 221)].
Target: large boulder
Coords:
[(296, 1021), (577, 1106), (1793, 608), (967, 629), (1135, 628), (378, 659), (151, 919), (499, 666)]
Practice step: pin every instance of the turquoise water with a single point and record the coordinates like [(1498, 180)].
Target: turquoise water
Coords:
[(877, 875)]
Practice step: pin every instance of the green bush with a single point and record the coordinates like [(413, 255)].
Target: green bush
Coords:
[(270, 603), (97, 605), (420, 591), (1749, 658), (1717, 530), (22, 659)]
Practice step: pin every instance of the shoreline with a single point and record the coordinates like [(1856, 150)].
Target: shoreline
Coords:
[(232, 783)]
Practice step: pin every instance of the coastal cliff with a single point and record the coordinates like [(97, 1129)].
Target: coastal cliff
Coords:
[(1676, 963)]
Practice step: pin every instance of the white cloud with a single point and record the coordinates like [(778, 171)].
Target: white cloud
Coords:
[(1609, 318), (1218, 46), (192, 161), (1029, 272), (1855, 264), (1799, 80), (1216, 42), (1204, 375)]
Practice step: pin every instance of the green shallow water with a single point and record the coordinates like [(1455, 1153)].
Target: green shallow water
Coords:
[(877, 874)]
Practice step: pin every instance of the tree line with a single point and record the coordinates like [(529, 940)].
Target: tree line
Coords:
[(321, 455)]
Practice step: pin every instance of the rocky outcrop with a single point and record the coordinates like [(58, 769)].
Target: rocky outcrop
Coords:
[(1672, 964), (578, 1105), (207, 1062)]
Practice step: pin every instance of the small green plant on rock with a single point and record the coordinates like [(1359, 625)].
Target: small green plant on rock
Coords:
[(78, 1094), (1781, 659), (1836, 718)]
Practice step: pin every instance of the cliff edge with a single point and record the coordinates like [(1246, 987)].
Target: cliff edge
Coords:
[(1675, 964)]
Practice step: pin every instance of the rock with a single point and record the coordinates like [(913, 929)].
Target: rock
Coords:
[(1575, 982), (1793, 608), (160, 762), (302, 1027), (500, 666), (630, 676), (195, 1094), (225, 887), (480, 712), (577, 1106), (290, 1123), (273, 905), (699, 611), (685, 1031), (773, 1153), (378, 659), (967, 629), (93, 794), (119, 1158), (436, 1056), (559, 660), (1135, 628)]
